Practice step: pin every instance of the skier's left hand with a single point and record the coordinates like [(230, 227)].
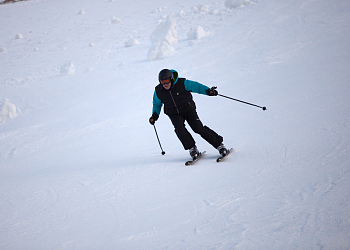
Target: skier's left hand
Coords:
[(212, 91)]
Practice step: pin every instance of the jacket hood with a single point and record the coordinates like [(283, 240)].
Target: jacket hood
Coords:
[(175, 75)]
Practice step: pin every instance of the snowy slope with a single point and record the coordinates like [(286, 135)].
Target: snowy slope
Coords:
[(80, 166)]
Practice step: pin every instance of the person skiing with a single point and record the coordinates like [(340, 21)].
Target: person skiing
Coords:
[(175, 94)]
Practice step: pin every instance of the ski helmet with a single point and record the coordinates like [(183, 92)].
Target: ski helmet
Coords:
[(165, 74)]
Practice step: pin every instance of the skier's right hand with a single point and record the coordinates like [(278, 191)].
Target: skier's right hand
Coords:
[(153, 118)]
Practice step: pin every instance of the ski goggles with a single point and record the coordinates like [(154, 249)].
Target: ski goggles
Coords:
[(166, 81)]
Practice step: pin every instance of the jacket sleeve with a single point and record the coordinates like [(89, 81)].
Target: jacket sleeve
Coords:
[(196, 87), (157, 104)]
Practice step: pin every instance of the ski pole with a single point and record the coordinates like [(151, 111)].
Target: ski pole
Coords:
[(163, 153), (263, 108)]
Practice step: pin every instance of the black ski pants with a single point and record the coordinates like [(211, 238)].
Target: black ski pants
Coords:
[(195, 123)]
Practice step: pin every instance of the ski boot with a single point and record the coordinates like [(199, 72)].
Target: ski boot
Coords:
[(194, 153), (222, 150)]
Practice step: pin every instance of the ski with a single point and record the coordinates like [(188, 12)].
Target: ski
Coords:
[(193, 161), (220, 158)]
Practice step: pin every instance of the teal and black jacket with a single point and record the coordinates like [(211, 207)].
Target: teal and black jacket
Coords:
[(178, 99)]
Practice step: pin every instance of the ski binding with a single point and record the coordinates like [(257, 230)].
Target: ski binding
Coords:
[(193, 161), (220, 158)]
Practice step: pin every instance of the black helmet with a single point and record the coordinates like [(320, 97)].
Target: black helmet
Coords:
[(165, 74)]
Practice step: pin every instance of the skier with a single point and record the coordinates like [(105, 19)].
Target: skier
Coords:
[(175, 94)]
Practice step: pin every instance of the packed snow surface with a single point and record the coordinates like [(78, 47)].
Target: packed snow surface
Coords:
[(81, 167)]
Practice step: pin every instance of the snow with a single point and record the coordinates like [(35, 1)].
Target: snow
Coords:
[(68, 68), (231, 4), (131, 42), (81, 168), (116, 20), (8, 111), (197, 33), (166, 31), (162, 38), (200, 8), (19, 36)]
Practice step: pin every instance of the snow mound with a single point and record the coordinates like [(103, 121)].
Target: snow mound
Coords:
[(19, 36), (166, 31), (201, 8), (182, 13), (161, 38), (8, 111), (197, 33), (67, 68), (2, 50), (160, 51), (131, 42), (231, 4), (159, 9), (116, 20)]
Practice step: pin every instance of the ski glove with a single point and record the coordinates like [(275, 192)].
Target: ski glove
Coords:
[(153, 118), (212, 91)]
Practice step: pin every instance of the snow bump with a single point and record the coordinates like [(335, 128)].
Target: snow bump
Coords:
[(8, 111), (232, 4), (161, 38), (67, 68), (197, 33)]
